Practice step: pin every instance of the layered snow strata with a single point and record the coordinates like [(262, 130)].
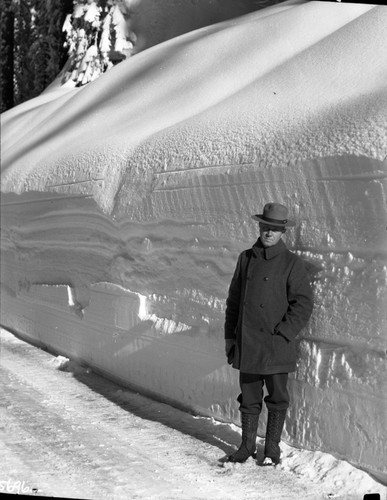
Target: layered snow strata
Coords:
[(125, 205), (156, 323)]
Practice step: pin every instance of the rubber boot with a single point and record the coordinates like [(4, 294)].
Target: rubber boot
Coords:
[(274, 427), (247, 448)]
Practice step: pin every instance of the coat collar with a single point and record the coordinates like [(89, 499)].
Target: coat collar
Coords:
[(269, 252)]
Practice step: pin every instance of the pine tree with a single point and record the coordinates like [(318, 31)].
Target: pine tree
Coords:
[(23, 39), (47, 52), (38, 36), (31, 46), (7, 20), (97, 37)]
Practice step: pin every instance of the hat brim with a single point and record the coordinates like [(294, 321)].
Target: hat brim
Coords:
[(259, 218)]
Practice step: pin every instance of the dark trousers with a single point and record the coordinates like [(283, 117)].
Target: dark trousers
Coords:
[(252, 392)]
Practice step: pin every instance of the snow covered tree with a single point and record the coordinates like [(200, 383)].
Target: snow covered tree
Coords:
[(97, 37)]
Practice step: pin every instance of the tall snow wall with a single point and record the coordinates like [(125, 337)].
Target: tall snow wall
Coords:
[(125, 205)]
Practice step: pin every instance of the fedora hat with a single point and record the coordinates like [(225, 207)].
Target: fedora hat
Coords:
[(274, 214)]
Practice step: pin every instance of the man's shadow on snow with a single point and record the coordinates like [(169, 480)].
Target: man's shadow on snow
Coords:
[(217, 434)]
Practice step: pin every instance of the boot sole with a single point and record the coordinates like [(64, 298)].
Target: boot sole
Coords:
[(234, 461)]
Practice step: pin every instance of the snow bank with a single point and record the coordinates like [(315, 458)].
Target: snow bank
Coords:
[(125, 205)]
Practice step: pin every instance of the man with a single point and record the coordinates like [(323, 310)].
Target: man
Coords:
[(269, 302)]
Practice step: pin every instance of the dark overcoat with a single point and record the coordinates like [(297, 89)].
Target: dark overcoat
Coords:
[(269, 301)]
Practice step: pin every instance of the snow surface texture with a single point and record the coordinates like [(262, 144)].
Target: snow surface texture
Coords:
[(129, 200), (93, 439)]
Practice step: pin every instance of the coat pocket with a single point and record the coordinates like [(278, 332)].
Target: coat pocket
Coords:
[(283, 351)]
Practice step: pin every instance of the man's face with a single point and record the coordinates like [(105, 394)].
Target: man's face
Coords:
[(270, 235)]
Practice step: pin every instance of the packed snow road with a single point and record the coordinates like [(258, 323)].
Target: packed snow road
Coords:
[(68, 432)]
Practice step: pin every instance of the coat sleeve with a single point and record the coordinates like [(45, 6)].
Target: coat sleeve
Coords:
[(233, 302), (300, 302)]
